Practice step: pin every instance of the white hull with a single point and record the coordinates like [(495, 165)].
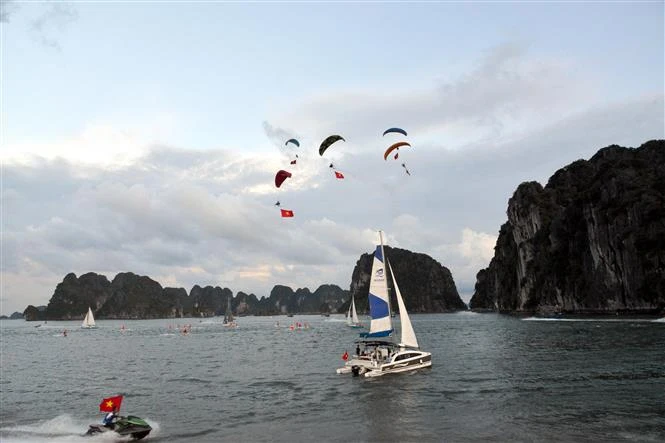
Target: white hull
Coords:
[(387, 360), (422, 360)]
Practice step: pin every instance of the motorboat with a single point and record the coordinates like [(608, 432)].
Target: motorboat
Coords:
[(135, 427)]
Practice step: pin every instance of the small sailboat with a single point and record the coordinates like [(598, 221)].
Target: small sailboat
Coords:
[(352, 320), (229, 321), (89, 320), (376, 356)]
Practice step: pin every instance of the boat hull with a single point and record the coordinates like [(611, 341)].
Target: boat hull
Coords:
[(395, 366), (405, 360)]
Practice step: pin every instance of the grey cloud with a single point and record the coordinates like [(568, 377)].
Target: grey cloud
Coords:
[(7, 9), (506, 85), (55, 19)]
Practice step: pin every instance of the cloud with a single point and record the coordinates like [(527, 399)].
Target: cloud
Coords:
[(499, 95), (97, 144), (55, 19), (7, 9)]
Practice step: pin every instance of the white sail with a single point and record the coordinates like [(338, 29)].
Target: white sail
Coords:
[(354, 314), (89, 320), (348, 316), (379, 302), (408, 335)]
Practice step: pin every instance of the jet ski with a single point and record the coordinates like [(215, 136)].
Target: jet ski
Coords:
[(131, 425)]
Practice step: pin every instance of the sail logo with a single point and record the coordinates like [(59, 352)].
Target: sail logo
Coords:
[(378, 273)]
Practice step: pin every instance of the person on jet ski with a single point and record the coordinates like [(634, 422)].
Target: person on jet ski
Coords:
[(110, 418)]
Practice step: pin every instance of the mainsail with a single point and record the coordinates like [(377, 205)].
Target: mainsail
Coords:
[(89, 320), (379, 303), (354, 314)]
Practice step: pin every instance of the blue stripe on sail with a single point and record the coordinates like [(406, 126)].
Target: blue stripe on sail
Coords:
[(378, 254), (378, 308), (376, 334)]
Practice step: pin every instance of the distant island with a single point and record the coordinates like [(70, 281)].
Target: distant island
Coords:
[(592, 241), (130, 296)]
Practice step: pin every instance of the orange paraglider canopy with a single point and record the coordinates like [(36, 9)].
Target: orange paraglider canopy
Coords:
[(393, 147)]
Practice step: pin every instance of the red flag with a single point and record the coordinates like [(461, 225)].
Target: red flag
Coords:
[(110, 404), (339, 174), (345, 357), (287, 213), (293, 162)]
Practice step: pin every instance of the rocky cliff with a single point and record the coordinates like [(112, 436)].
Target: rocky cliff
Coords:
[(130, 296), (425, 284), (591, 241)]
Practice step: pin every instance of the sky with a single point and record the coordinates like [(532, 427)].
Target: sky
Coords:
[(145, 136)]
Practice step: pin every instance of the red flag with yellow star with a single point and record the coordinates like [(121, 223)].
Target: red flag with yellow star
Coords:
[(110, 404)]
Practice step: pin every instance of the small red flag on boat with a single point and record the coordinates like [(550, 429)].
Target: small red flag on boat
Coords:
[(339, 174), (110, 404), (287, 213), (345, 357)]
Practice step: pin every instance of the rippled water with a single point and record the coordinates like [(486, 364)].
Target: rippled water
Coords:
[(494, 378)]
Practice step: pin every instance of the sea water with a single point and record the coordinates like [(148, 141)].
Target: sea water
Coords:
[(494, 378)]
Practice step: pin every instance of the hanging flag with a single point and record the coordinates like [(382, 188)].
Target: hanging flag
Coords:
[(345, 357), (339, 175), (110, 404), (287, 213)]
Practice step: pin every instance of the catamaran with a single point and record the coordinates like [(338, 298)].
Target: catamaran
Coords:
[(352, 320), (375, 357), (89, 320)]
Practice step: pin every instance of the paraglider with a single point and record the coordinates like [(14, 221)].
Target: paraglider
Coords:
[(281, 176), (296, 144), (277, 203), (393, 147), (325, 144), (398, 130)]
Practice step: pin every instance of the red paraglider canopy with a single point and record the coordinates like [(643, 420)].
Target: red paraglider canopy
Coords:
[(281, 176)]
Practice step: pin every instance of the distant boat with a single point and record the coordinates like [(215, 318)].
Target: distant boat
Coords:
[(229, 321), (352, 320), (89, 321), (379, 357)]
